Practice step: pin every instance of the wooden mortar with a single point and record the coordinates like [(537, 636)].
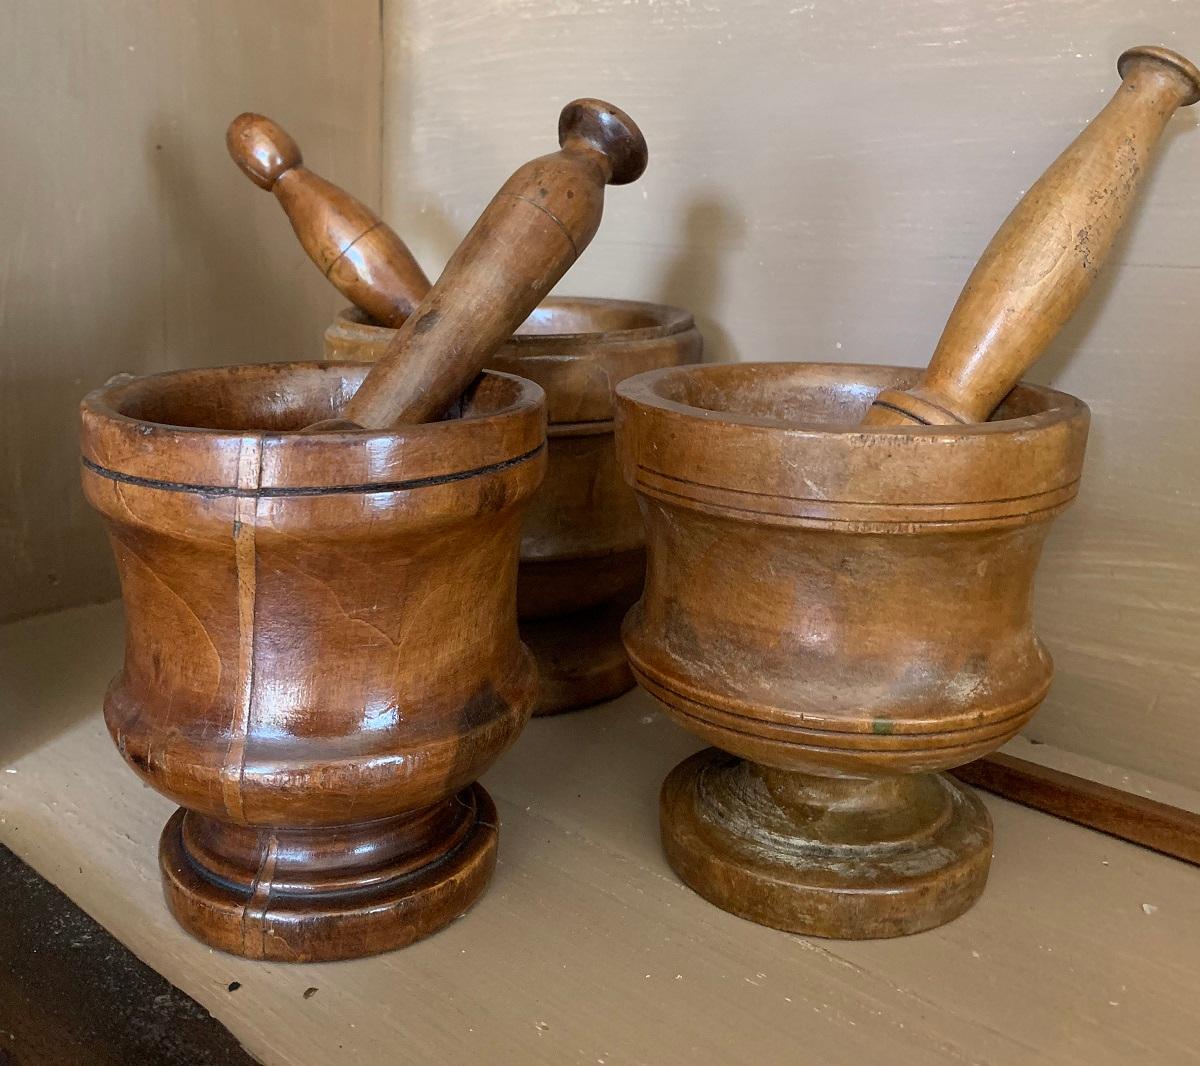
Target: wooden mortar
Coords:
[(582, 554), (322, 739), (843, 611)]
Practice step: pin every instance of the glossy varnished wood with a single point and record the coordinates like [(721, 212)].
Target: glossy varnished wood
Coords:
[(842, 611), (321, 647), (350, 244), (1043, 259), (582, 555), (531, 233)]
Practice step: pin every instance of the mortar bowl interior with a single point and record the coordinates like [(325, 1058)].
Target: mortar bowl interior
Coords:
[(268, 397), (826, 397), (792, 431), (194, 426)]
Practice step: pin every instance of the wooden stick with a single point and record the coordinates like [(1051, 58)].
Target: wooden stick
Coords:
[(1124, 815), (1043, 259)]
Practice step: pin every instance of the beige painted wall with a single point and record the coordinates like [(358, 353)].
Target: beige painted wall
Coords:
[(823, 175), (131, 242)]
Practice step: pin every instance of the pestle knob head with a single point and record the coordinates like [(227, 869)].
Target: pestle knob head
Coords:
[(609, 131), (1164, 57), (261, 149)]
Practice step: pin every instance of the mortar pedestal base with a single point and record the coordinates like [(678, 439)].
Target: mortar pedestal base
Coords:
[(315, 895), (852, 858), (581, 660)]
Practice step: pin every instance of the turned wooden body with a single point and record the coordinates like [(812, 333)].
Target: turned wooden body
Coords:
[(582, 554), (321, 648), (350, 244), (843, 611), (1043, 259)]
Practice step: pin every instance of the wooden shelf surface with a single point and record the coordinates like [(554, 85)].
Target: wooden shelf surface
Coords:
[(587, 949)]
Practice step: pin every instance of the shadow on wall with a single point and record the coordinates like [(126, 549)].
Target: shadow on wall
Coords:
[(694, 279), (70, 311), (48, 667), (180, 277), (419, 216), (54, 552), (222, 301)]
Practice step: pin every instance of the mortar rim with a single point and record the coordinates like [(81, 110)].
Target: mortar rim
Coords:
[(203, 459), (643, 390), (769, 470), (672, 320)]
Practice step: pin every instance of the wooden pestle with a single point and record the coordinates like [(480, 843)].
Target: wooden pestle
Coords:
[(535, 227), (1040, 263), (353, 247)]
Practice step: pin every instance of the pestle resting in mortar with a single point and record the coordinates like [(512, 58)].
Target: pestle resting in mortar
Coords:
[(530, 234), (1043, 259), (322, 653)]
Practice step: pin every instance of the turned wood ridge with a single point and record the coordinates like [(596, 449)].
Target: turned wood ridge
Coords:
[(1044, 257), (351, 245), (527, 238)]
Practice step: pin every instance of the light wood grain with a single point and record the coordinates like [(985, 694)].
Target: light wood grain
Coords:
[(825, 175), (131, 243), (843, 611), (1038, 268), (586, 948)]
